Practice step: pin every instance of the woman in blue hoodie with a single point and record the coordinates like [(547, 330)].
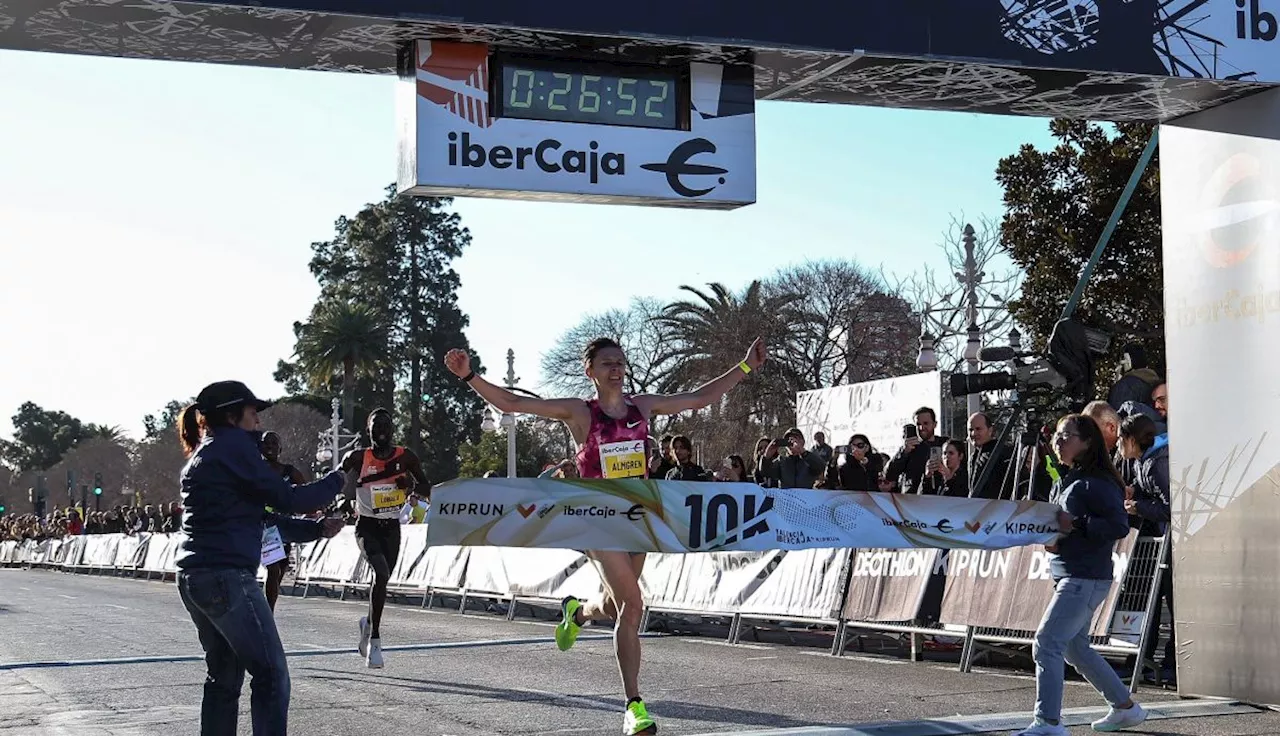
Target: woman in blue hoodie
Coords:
[(1147, 502), (226, 488), (1090, 523)]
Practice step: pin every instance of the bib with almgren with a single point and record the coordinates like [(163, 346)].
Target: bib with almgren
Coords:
[(615, 447)]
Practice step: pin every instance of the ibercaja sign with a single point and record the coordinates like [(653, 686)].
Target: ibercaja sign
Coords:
[(475, 121)]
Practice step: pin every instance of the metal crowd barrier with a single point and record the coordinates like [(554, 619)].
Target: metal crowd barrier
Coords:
[(919, 593)]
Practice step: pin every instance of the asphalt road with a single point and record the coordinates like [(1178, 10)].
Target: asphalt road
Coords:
[(465, 674)]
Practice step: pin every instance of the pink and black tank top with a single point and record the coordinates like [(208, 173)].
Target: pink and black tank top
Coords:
[(615, 448)]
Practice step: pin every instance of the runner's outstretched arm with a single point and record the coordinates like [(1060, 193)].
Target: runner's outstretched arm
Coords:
[(508, 402), (708, 393)]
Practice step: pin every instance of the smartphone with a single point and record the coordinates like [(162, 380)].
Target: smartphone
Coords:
[(909, 432), (935, 453), (842, 450)]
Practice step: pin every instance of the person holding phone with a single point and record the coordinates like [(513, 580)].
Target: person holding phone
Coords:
[(798, 467), (945, 473), (907, 468), (855, 467)]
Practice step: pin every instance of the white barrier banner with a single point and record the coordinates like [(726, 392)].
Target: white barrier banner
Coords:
[(877, 408), (720, 581), (679, 516), (806, 584)]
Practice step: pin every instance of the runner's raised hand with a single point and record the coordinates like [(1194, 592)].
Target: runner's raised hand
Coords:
[(458, 362)]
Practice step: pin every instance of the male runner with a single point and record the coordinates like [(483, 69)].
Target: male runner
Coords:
[(386, 474)]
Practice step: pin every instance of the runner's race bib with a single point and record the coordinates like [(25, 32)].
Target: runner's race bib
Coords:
[(623, 459), (387, 497), (272, 546)]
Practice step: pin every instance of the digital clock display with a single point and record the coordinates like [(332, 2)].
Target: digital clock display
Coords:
[(590, 93)]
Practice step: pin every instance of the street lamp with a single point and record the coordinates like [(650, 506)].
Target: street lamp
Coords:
[(331, 441), (508, 421), (971, 348), (927, 360)]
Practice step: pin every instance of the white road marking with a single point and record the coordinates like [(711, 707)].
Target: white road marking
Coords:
[(714, 643)]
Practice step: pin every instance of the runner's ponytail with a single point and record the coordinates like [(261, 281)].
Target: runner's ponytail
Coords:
[(190, 422)]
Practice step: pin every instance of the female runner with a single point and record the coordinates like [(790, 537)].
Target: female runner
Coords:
[(603, 427)]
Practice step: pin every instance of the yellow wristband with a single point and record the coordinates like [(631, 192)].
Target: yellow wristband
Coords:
[(745, 368)]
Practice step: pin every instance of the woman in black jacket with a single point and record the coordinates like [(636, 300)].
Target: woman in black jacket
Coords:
[(1147, 502), (1090, 523), (950, 477), (226, 488), (855, 467)]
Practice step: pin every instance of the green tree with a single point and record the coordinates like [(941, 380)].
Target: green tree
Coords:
[(113, 433), (342, 338), (165, 421), (1057, 203), (712, 331), (846, 325), (489, 453), (40, 438), (395, 257)]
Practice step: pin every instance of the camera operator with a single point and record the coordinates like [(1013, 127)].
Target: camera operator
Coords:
[(984, 450), (917, 446), (1135, 380), (799, 468)]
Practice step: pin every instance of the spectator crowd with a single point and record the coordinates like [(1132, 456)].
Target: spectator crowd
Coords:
[(74, 520)]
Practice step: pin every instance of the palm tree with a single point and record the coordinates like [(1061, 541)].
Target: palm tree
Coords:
[(114, 434), (713, 331), (346, 338)]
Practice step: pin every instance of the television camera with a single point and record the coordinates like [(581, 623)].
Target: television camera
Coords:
[(1066, 368)]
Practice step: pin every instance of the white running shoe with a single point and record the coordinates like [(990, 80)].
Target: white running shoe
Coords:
[(374, 660), (1040, 728), (1119, 719), (363, 646)]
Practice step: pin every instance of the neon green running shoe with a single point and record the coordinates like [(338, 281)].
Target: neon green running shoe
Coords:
[(636, 719), (567, 631)]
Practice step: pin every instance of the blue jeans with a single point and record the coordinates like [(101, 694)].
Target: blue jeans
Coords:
[(238, 633), (1064, 633)]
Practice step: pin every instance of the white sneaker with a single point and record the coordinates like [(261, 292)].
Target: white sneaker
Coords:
[(1040, 728), (363, 646), (374, 660), (1119, 719)]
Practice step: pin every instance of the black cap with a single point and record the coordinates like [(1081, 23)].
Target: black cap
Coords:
[(226, 394)]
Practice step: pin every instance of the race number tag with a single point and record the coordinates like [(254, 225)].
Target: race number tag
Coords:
[(272, 546), (387, 497), (623, 459)]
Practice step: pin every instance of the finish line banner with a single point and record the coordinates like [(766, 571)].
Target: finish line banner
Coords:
[(682, 516)]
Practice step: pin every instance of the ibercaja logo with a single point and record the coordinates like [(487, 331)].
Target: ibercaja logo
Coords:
[(1238, 211)]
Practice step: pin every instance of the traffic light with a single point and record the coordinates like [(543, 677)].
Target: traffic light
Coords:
[(1, 507), (97, 484)]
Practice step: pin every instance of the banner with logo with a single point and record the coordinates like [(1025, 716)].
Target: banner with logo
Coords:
[(1011, 588), (475, 121), (877, 409), (889, 584), (681, 516)]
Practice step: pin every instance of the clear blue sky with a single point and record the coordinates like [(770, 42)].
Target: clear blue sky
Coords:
[(156, 220)]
